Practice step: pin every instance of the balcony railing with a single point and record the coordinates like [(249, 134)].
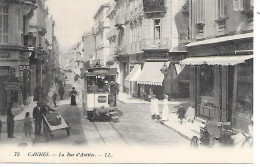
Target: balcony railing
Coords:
[(163, 43)]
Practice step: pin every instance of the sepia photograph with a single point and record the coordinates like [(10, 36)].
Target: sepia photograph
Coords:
[(127, 81)]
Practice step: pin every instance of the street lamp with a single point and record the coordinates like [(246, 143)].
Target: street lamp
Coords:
[(165, 71)]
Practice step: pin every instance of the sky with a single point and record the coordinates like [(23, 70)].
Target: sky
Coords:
[(72, 18)]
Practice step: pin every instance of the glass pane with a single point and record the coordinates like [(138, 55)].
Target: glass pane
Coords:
[(157, 33), (5, 39), (5, 10), (1, 22), (5, 27)]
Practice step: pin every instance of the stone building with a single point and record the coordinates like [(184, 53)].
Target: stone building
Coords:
[(221, 60), (101, 27), (14, 53), (146, 36)]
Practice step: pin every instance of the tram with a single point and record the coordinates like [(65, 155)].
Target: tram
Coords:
[(96, 97)]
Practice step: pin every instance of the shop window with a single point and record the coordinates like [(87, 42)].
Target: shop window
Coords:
[(207, 84), (3, 24), (157, 29), (245, 88)]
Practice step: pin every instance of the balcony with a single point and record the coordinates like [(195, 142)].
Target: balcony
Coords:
[(120, 51), (156, 44)]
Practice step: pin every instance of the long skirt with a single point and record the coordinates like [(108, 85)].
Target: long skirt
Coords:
[(73, 101)]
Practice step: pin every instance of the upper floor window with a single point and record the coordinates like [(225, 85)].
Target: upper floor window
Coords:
[(157, 29), (3, 24), (222, 8), (241, 5), (199, 11)]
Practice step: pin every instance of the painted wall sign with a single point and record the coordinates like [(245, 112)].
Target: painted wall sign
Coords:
[(7, 71), (13, 85), (5, 55)]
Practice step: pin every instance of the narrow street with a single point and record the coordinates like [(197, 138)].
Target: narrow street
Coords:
[(131, 126)]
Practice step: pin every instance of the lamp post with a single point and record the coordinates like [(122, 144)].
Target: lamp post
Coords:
[(164, 70)]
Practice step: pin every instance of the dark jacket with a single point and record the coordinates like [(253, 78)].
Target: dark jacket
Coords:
[(181, 111), (45, 109), (9, 112), (61, 90), (37, 114), (114, 88)]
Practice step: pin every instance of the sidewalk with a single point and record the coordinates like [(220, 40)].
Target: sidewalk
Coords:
[(21, 115), (186, 129)]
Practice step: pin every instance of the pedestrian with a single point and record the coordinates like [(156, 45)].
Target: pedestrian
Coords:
[(190, 114), (10, 121), (181, 113), (114, 89), (165, 109), (37, 115), (150, 94), (27, 124), (54, 97), (61, 91), (73, 94), (0, 127), (154, 107), (106, 87), (45, 109)]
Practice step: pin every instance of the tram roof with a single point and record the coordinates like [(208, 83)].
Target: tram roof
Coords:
[(94, 71)]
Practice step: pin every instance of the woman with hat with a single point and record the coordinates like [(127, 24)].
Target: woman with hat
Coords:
[(73, 94), (165, 109)]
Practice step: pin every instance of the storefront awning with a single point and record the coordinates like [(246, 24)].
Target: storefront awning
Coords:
[(134, 73), (216, 60), (221, 39), (151, 74)]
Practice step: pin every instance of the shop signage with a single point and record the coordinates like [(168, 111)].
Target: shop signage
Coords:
[(5, 55), (222, 48), (22, 68), (13, 85), (6, 71)]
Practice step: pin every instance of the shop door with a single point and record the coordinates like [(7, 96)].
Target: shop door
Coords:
[(2, 98)]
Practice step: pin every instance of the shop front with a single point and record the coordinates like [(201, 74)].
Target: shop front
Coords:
[(221, 79)]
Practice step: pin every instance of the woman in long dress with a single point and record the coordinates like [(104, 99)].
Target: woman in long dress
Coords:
[(154, 107), (73, 94), (165, 109)]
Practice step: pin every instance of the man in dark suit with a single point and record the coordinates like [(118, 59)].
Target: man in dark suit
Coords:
[(37, 115), (10, 121)]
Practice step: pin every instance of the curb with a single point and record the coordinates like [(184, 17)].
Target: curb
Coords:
[(181, 134)]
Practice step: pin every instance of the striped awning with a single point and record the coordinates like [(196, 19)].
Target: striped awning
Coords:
[(151, 74), (216, 60), (134, 73)]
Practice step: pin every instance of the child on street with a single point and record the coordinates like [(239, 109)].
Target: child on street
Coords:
[(27, 124)]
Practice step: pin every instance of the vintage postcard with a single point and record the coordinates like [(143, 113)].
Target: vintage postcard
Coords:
[(126, 81)]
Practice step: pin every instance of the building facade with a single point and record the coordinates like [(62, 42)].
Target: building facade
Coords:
[(154, 32), (14, 52), (221, 60), (101, 27)]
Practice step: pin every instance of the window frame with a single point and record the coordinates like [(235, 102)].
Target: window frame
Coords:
[(4, 34), (155, 26)]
